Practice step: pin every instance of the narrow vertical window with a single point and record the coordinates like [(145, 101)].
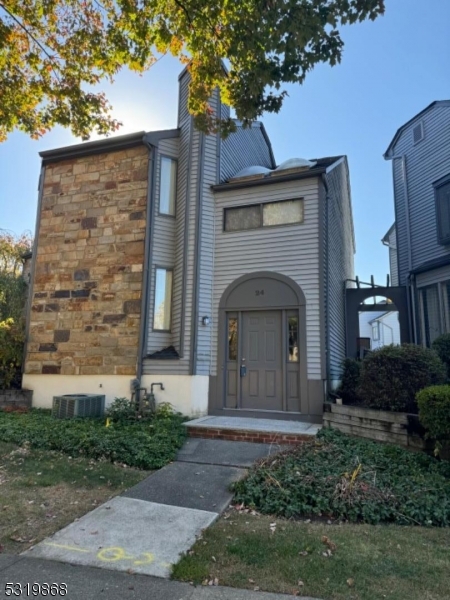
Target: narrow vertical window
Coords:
[(163, 300), (232, 339), (293, 354), (431, 317), (167, 186)]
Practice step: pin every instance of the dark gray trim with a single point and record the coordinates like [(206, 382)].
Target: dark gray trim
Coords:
[(33, 263), (269, 145), (269, 179), (89, 148), (400, 130), (143, 326), (154, 137), (324, 300), (187, 204), (197, 257)]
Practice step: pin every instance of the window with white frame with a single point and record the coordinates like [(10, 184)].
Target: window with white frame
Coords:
[(167, 186), (375, 331), (163, 299)]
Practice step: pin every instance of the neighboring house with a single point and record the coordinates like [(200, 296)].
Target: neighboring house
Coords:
[(381, 328), (176, 257), (390, 240), (420, 155)]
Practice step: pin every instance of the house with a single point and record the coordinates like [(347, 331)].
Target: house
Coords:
[(420, 155), (176, 257), (380, 328)]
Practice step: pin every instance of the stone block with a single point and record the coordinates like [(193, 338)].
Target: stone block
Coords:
[(61, 335)]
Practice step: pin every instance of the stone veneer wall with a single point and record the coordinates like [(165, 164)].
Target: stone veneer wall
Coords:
[(86, 296)]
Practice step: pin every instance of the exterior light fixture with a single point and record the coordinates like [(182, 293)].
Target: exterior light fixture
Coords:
[(206, 320)]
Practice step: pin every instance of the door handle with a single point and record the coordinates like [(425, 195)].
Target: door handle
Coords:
[(243, 371)]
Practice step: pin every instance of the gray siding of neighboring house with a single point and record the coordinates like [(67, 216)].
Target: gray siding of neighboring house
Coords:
[(393, 257), (426, 162), (244, 148), (339, 264), (290, 250)]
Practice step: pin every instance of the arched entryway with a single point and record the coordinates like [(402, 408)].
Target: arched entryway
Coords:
[(262, 347)]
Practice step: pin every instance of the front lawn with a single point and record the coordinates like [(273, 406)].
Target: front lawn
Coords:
[(343, 478), (144, 445), (332, 562), (42, 491)]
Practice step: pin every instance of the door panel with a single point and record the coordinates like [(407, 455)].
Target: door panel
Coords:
[(261, 354)]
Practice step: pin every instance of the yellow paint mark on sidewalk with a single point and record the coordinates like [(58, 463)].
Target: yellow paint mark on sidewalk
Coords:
[(64, 547)]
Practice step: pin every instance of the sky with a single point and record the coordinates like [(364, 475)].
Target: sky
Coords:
[(391, 69)]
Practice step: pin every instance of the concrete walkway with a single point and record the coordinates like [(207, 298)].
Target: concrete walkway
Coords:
[(87, 583), (152, 524)]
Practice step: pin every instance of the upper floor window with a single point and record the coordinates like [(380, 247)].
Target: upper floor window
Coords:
[(269, 214), (442, 193), (418, 133), (167, 186)]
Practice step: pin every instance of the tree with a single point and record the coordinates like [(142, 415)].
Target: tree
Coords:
[(54, 52), (12, 305)]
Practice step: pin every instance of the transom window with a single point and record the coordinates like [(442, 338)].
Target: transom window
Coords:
[(167, 186), (268, 214), (163, 300), (442, 194)]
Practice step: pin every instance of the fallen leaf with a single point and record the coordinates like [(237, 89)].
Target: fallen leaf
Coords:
[(303, 553), (326, 540), (300, 583), (350, 582), (213, 558)]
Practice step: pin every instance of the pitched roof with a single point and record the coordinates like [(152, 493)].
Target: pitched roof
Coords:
[(400, 130)]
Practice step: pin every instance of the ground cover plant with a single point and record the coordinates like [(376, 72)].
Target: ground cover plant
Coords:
[(342, 478), (43, 491), (319, 560), (144, 445)]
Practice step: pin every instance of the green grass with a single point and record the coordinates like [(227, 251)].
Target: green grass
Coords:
[(340, 477), (42, 491), (369, 562), (144, 445)]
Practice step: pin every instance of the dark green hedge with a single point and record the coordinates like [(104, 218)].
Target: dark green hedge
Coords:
[(339, 477), (148, 445), (434, 412), (392, 376)]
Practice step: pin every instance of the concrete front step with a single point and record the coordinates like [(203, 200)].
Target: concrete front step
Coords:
[(267, 431)]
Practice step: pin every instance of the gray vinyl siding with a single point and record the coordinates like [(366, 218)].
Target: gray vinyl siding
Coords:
[(426, 162), (162, 247), (433, 276), (206, 249), (393, 258), (244, 148), (290, 250), (340, 257)]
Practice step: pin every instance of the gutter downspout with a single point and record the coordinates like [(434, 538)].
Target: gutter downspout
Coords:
[(143, 329)]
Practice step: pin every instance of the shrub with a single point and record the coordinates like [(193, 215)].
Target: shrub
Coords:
[(339, 477), (441, 345), (391, 376), (144, 445), (351, 376), (121, 410), (434, 413)]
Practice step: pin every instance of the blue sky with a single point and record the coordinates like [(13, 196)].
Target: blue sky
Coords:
[(391, 69)]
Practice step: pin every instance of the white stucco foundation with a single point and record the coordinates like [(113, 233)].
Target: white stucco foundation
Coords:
[(46, 386), (188, 394)]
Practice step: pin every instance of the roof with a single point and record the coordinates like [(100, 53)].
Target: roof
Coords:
[(387, 155), (387, 235), (321, 166), (164, 354), (120, 142), (443, 261)]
